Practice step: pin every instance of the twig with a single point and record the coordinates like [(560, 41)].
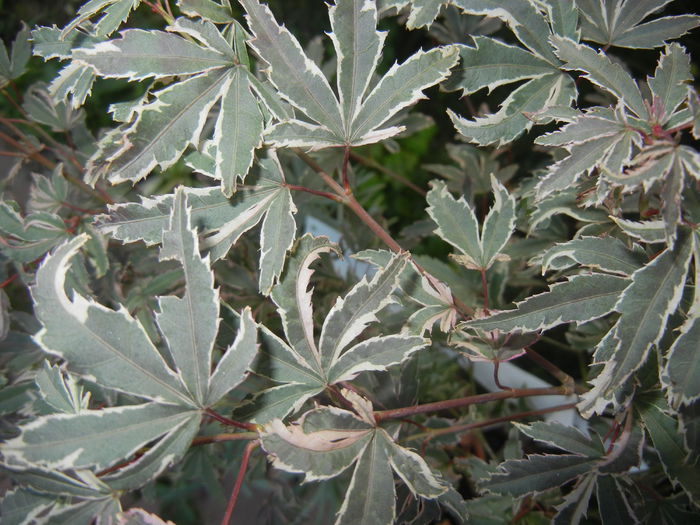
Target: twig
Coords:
[(438, 406), (481, 424), (223, 438), (239, 482), (230, 422)]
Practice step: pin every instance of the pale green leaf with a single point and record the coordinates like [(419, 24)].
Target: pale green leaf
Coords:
[(63, 393), (80, 440), (575, 505), (236, 361), (537, 473), (413, 470), (645, 306), (422, 13), (21, 506), (107, 346), (139, 517), (377, 353), (522, 17), (682, 371), (358, 45), (189, 323), (298, 79), (13, 65), (457, 223), (668, 442), (600, 70), (298, 134), (563, 437), (595, 123), (563, 16), (238, 131), (114, 12), (499, 224), (612, 502), (581, 298), (48, 42), (276, 239), (140, 54), (370, 498), (645, 231), (208, 9), (30, 237), (657, 32), (511, 121), (278, 401), (492, 63), (86, 512), (322, 444), (43, 108), (73, 84), (167, 451), (400, 87), (163, 130), (352, 313), (206, 33), (603, 253), (293, 299), (55, 483), (669, 83)]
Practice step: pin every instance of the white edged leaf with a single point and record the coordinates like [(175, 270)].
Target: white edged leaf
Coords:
[(293, 298), (168, 450), (370, 498), (140, 54), (511, 120), (612, 502), (645, 305), (208, 9), (492, 63), (298, 79), (277, 402), (162, 131), (206, 33), (189, 324), (358, 45), (575, 505), (293, 133), (669, 83), (563, 437), (104, 510), (61, 392), (377, 353), (537, 473), (66, 441), (602, 253), (113, 13), (579, 299), (400, 87), (106, 346), (236, 361), (600, 70), (352, 313), (413, 470), (73, 84), (135, 516), (21, 506), (13, 65), (322, 444), (238, 131), (499, 224), (645, 231)]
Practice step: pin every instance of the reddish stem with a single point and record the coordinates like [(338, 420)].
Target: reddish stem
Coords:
[(239, 482), (346, 163), (230, 422), (9, 280), (320, 193)]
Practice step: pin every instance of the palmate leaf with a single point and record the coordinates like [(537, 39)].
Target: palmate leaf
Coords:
[(165, 126), (359, 114), (114, 12), (327, 441), (621, 23), (112, 349), (303, 368), (668, 85), (492, 63), (20, 506), (457, 224), (220, 220), (32, 236), (579, 299), (13, 64), (645, 306)]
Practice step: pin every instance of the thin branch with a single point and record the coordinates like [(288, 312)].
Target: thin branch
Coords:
[(230, 422), (346, 164), (496, 368), (550, 367), (327, 195), (239, 482), (461, 402), (489, 422), (223, 438), (373, 164)]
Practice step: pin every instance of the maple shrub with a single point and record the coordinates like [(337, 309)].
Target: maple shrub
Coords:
[(262, 285)]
